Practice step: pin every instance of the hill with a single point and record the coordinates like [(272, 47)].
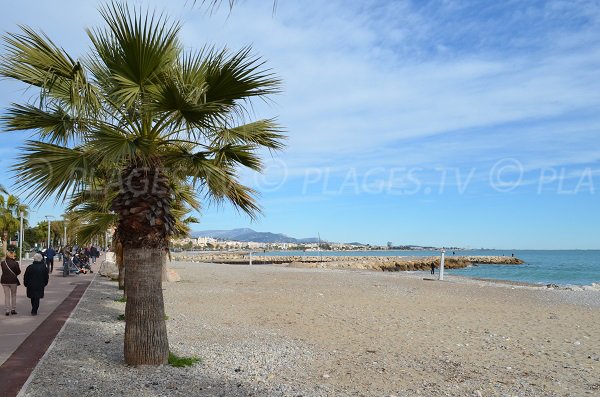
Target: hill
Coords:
[(247, 235)]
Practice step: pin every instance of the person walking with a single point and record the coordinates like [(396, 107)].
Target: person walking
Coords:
[(10, 281), (433, 268), (50, 254), (94, 253), (35, 279)]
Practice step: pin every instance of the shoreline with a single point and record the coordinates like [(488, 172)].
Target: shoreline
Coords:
[(378, 264)]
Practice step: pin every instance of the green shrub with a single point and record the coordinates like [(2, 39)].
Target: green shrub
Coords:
[(176, 361)]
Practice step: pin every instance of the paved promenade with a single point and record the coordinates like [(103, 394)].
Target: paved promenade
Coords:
[(24, 338)]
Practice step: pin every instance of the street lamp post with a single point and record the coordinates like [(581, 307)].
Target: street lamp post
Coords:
[(21, 240), (48, 217)]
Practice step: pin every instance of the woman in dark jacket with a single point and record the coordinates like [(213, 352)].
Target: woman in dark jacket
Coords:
[(35, 279), (10, 271)]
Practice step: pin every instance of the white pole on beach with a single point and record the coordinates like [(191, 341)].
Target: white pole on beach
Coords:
[(250, 261), (21, 241), (442, 265)]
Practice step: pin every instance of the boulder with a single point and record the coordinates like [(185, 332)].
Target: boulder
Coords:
[(107, 268), (172, 276)]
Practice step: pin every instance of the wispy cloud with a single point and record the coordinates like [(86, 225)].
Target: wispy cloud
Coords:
[(367, 80)]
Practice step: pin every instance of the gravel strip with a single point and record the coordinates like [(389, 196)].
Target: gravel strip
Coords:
[(87, 358)]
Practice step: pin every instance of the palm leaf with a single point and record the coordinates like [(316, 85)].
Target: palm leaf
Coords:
[(230, 155), (45, 169), (265, 133), (95, 224), (34, 59), (54, 124), (135, 48)]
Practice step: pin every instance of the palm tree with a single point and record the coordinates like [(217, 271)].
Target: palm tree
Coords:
[(141, 105), (10, 213)]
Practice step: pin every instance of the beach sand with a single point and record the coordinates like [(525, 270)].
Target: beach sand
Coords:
[(272, 331), (376, 334)]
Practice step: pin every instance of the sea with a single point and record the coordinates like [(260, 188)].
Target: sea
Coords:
[(560, 267)]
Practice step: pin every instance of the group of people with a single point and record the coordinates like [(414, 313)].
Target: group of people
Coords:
[(36, 274), (35, 280), (79, 259)]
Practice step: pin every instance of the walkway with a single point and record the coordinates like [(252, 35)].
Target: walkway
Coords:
[(24, 338)]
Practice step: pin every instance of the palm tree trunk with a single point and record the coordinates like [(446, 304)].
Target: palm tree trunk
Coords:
[(120, 266), (145, 222), (145, 329)]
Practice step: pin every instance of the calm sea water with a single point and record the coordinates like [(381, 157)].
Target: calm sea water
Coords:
[(577, 267)]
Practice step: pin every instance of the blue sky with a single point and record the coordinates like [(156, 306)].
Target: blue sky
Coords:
[(455, 123)]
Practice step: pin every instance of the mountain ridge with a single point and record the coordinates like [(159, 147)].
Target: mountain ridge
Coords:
[(250, 235)]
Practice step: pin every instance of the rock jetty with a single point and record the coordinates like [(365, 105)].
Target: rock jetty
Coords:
[(379, 263)]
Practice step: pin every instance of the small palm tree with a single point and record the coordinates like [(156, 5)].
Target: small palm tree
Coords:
[(142, 106)]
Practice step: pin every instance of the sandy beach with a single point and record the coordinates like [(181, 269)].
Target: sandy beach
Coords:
[(273, 331)]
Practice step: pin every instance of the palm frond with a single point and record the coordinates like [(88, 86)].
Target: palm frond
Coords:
[(85, 196), (113, 145), (243, 198), (263, 133), (34, 59), (230, 155), (95, 224), (135, 48), (236, 77), (185, 194), (215, 4), (190, 219), (44, 169), (208, 88), (55, 124)]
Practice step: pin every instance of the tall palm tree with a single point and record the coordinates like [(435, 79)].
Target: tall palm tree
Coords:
[(10, 214), (141, 104)]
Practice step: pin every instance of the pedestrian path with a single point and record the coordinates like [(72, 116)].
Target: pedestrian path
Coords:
[(25, 338)]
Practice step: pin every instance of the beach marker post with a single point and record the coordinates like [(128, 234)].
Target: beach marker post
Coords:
[(442, 265), (250, 259)]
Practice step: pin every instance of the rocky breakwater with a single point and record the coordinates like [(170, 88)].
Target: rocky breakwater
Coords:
[(380, 263)]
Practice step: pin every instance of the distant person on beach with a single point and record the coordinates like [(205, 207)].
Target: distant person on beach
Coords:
[(50, 254), (10, 281), (433, 268), (36, 279)]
